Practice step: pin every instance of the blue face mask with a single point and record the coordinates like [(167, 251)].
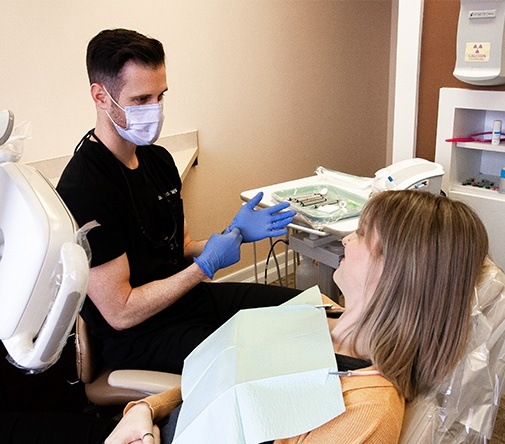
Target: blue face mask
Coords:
[(143, 122)]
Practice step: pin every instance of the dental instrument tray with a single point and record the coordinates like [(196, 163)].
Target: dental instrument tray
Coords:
[(321, 203)]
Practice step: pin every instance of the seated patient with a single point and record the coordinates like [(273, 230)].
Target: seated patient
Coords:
[(408, 278)]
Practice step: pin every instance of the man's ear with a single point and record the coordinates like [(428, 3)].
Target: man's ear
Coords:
[(99, 95)]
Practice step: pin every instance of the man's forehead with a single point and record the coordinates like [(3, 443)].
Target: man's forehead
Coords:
[(141, 80)]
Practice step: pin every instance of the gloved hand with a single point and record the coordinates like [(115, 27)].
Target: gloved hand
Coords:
[(221, 250), (255, 225)]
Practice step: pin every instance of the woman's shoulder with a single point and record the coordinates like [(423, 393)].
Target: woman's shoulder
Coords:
[(373, 400), (373, 415), (371, 389)]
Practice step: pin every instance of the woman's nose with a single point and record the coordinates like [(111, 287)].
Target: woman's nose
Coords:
[(346, 239)]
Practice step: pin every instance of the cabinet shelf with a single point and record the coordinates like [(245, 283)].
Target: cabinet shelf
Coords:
[(477, 192), (482, 146)]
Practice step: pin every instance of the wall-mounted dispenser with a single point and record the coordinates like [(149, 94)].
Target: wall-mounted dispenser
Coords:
[(480, 58)]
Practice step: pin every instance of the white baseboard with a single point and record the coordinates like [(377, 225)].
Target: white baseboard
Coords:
[(247, 274)]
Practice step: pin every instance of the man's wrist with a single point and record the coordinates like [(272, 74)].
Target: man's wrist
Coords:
[(204, 266)]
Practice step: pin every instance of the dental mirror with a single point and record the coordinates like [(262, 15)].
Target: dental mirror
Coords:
[(6, 125)]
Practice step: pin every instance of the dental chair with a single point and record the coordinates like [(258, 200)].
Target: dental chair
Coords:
[(104, 387), (464, 408)]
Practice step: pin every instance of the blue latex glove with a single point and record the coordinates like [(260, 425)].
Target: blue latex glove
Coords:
[(255, 225), (221, 250)]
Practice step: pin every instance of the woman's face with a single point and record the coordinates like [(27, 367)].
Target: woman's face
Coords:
[(359, 272)]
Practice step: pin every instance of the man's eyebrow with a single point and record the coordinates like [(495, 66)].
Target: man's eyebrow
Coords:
[(142, 97), (148, 96)]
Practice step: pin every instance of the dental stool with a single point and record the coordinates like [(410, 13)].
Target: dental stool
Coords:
[(464, 408)]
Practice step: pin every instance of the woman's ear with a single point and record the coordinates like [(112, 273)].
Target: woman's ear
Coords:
[(99, 95)]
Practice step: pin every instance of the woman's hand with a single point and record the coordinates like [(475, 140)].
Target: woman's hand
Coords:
[(136, 426)]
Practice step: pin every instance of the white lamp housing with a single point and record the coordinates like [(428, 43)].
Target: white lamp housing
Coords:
[(43, 272)]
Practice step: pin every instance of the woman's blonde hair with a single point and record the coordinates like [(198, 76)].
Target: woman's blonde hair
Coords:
[(433, 250)]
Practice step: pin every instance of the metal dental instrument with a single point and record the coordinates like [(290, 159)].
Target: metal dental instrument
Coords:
[(306, 199), (354, 372), (313, 202), (331, 202)]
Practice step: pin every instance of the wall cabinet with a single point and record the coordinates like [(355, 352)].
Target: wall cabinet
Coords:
[(462, 113)]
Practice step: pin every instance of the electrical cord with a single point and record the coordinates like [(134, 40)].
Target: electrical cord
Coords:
[(271, 252)]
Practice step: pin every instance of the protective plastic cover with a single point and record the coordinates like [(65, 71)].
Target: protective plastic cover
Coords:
[(327, 201), (11, 149), (464, 409)]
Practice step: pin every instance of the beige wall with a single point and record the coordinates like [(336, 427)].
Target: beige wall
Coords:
[(274, 87)]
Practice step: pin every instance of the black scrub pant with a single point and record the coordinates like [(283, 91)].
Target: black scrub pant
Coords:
[(193, 318)]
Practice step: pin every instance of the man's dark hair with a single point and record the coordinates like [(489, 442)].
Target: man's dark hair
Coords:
[(111, 49)]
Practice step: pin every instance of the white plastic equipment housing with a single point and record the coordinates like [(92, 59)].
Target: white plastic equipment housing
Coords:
[(43, 272)]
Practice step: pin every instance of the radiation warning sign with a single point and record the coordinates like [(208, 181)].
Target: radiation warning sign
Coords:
[(477, 51)]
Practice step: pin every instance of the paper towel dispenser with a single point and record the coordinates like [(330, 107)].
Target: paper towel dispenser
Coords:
[(480, 42)]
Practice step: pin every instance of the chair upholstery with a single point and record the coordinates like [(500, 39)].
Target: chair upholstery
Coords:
[(105, 387), (464, 408)]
